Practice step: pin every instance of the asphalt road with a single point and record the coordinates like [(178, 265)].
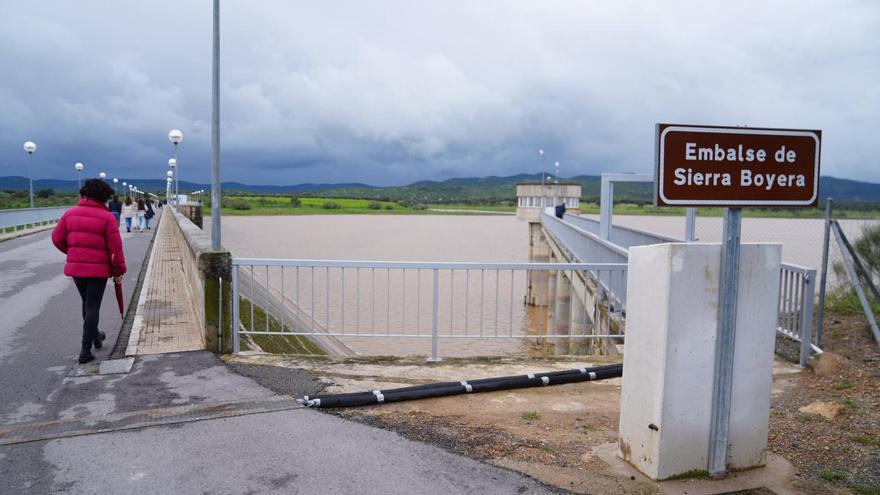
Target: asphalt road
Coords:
[(292, 451), (41, 321)]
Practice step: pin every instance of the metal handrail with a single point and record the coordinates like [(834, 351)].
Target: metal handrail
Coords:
[(425, 265), (18, 217)]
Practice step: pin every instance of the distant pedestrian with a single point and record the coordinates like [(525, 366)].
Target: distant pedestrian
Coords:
[(89, 235), (141, 216), (150, 213), (128, 212), (115, 208)]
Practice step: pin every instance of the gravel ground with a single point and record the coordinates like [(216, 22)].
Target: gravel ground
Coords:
[(842, 453), (287, 381)]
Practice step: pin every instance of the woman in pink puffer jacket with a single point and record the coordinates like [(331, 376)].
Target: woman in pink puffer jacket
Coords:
[(89, 235)]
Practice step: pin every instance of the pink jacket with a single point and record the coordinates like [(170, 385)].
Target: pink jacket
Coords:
[(89, 235)]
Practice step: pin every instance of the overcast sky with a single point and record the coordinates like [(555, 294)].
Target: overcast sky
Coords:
[(392, 92)]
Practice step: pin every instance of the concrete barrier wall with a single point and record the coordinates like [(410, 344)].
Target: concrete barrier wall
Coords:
[(208, 275)]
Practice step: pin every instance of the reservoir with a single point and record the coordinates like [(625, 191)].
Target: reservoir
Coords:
[(458, 238)]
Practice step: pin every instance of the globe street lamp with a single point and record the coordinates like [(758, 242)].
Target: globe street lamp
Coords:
[(30, 147), (175, 136), (102, 175), (79, 168), (115, 181)]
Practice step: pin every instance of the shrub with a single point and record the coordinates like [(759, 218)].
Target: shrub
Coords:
[(45, 193), (374, 205), (420, 207), (330, 205), (238, 204), (868, 249), (389, 207), (295, 202)]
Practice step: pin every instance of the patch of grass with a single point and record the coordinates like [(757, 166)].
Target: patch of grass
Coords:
[(693, 473), (276, 344), (805, 418), (845, 301), (833, 475), (531, 415), (545, 447), (589, 427), (849, 404), (844, 385), (866, 440), (868, 490)]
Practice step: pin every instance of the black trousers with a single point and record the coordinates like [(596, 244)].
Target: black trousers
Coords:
[(91, 290)]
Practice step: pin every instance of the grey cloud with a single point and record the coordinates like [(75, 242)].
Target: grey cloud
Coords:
[(391, 92)]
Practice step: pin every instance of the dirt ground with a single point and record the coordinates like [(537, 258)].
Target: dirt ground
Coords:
[(566, 435), (843, 452)]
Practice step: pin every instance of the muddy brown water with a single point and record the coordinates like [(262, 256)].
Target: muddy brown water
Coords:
[(376, 302)]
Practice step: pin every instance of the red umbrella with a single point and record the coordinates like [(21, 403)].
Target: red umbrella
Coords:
[(119, 301)]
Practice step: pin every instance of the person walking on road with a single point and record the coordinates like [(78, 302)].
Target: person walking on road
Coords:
[(141, 216), (115, 208), (128, 213), (150, 213), (89, 235)]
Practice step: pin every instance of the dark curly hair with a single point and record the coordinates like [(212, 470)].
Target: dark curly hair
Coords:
[(96, 189)]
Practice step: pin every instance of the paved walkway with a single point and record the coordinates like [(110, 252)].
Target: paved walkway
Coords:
[(166, 318)]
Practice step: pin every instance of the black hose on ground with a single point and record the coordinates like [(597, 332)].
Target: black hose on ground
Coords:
[(464, 387)]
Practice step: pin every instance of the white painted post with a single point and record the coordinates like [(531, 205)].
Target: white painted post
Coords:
[(435, 314), (669, 357)]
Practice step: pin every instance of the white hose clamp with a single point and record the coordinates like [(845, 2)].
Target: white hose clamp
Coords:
[(379, 396), (545, 380), (466, 386), (531, 376), (592, 375)]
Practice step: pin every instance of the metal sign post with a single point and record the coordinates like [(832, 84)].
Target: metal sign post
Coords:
[(724, 343)]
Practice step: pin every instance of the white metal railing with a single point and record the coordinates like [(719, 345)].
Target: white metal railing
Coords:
[(24, 217), (577, 236), (333, 301), (797, 290), (624, 237)]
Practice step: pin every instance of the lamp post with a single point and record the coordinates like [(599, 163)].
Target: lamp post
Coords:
[(30, 147), (557, 173), (115, 181), (170, 179), (175, 136), (543, 189), (172, 162), (79, 168)]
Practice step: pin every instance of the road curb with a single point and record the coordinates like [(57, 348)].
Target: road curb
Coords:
[(123, 340)]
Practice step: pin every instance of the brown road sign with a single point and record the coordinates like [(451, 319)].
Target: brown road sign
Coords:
[(736, 166)]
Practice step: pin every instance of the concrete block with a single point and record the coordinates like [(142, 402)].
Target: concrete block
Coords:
[(669, 355)]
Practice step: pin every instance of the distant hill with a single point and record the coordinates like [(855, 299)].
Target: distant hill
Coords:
[(480, 190)]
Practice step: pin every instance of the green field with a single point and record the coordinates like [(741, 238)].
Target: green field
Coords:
[(253, 204)]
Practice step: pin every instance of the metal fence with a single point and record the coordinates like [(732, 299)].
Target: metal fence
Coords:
[(29, 217), (624, 237), (578, 237), (797, 291), (336, 302)]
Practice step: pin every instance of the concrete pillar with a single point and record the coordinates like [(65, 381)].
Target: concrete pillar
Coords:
[(580, 324), (562, 314), (672, 316), (539, 252)]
